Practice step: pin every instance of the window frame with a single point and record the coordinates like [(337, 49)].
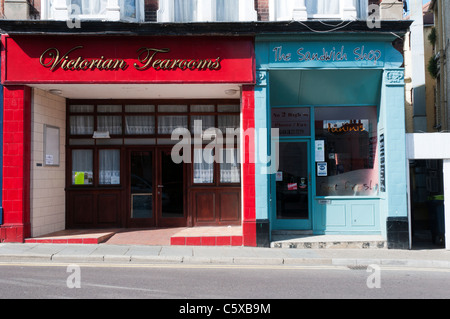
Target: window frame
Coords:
[(206, 11), (63, 13)]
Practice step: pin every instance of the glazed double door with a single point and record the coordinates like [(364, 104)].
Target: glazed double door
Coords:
[(155, 189)]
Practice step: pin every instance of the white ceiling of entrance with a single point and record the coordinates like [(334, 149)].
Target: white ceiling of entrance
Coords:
[(143, 91)]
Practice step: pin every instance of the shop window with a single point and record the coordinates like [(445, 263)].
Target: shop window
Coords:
[(127, 10), (109, 167), (82, 125), (230, 169), (346, 151), (206, 10), (286, 10), (82, 167), (203, 166)]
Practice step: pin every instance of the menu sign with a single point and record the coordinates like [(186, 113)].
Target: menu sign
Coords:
[(292, 121)]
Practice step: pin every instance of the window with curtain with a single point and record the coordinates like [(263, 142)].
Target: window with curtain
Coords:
[(185, 10), (203, 166), (323, 7), (206, 10), (109, 167), (227, 10), (87, 7), (230, 169), (130, 10), (283, 10), (82, 167)]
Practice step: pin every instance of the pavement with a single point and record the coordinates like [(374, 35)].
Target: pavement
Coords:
[(220, 255)]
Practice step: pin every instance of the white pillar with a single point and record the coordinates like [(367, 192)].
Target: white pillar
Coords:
[(113, 10), (446, 171)]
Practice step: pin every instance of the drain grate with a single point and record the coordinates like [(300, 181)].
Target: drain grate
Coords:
[(357, 267)]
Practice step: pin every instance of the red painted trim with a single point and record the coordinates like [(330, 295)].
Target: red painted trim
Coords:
[(235, 57), (16, 163), (248, 166)]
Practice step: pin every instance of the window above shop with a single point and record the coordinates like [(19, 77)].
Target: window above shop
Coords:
[(206, 10), (109, 10), (285, 10)]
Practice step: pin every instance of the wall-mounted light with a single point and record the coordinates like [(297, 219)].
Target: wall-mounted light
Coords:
[(101, 135), (231, 91), (55, 91)]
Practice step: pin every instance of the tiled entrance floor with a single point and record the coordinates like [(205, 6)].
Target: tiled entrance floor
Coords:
[(227, 235)]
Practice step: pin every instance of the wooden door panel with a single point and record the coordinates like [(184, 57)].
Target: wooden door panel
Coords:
[(82, 208), (229, 206), (205, 206), (108, 208)]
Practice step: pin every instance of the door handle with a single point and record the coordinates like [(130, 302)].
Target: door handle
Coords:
[(160, 186)]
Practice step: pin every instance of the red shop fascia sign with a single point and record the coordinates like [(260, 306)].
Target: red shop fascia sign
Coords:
[(125, 60)]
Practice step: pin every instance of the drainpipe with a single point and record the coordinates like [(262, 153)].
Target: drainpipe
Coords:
[(443, 73)]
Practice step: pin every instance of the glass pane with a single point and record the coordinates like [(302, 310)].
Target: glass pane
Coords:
[(109, 108), (82, 163), (81, 108), (202, 108), (292, 121), (129, 9), (172, 187), (139, 125), (323, 7), (230, 170), (109, 167), (206, 121), (81, 125), (349, 164), (141, 185), (228, 121), (88, 7), (173, 108), (203, 166), (229, 108), (185, 10), (139, 108), (112, 124), (292, 181), (227, 10), (166, 124)]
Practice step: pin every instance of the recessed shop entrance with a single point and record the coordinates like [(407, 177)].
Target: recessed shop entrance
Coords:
[(156, 188), (121, 173)]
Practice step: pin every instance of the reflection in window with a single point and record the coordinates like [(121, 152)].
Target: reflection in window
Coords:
[(350, 138)]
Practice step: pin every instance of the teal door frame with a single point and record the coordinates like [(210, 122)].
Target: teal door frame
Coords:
[(294, 224)]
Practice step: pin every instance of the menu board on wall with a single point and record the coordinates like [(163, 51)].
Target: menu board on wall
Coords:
[(382, 165), (292, 121)]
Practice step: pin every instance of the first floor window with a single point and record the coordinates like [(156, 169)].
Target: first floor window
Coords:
[(348, 158)]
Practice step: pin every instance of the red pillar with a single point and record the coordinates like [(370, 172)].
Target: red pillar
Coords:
[(248, 167), (16, 164)]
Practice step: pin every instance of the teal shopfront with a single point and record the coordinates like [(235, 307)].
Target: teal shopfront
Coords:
[(335, 155)]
